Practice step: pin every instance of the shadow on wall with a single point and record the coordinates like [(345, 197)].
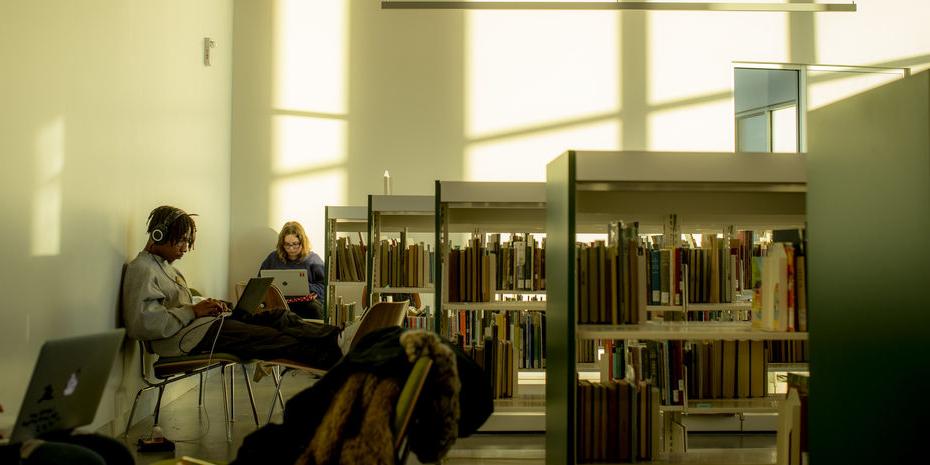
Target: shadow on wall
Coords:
[(248, 249)]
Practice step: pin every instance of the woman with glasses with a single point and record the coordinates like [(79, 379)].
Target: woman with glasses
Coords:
[(294, 252)]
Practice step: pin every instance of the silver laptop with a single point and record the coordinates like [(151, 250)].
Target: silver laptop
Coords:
[(67, 382), (290, 282)]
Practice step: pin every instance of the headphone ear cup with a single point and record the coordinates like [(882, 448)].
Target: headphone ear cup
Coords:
[(158, 235)]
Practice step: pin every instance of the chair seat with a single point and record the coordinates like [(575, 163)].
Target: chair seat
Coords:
[(168, 366), (296, 366)]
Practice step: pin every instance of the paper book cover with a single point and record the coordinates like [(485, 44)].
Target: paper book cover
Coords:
[(801, 278), (743, 371), (602, 306), (758, 380), (729, 369)]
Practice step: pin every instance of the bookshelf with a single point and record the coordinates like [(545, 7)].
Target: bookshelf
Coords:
[(391, 217), (482, 208), (708, 192), (342, 221)]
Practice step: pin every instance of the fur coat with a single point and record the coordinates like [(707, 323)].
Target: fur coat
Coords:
[(357, 426)]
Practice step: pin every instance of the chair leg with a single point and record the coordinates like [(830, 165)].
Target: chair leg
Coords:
[(279, 380), (248, 387), (132, 412), (161, 391), (232, 393), (225, 402), (276, 371), (200, 396)]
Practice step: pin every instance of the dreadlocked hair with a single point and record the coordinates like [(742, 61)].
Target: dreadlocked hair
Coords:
[(177, 228)]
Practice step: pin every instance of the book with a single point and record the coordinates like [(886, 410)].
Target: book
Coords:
[(743, 370), (728, 390)]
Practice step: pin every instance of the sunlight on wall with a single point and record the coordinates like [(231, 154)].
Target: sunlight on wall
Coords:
[(309, 146), (300, 143), (880, 31), (826, 87), (701, 127), (311, 55), (304, 198), (524, 158), (46, 201), (526, 68), (691, 54)]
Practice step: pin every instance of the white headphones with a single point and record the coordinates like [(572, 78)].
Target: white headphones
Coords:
[(160, 230)]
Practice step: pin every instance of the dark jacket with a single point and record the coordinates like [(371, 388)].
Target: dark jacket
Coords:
[(379, 353)]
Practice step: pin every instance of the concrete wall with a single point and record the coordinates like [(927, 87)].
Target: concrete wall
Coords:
[(108, 112)]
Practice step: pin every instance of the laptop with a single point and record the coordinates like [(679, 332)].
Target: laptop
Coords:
[(253, 295), (290, 282), (67, 382)]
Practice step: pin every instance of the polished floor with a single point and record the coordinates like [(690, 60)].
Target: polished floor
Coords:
[(201, 432)]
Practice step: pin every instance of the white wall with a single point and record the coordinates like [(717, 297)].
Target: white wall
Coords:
[(329, 94), (107, 112)]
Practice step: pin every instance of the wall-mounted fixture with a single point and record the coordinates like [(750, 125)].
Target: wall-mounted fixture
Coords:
[(208, 43), (617, 5)]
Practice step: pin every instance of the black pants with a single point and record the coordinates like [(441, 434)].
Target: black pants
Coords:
[(312, 309), (274, 334)]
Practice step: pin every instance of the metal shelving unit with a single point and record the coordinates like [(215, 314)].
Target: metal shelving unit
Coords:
[(392, 214), (495, 207), (707, 191), (340, 220)]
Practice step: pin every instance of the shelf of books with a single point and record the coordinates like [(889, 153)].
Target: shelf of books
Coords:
[(400, 263), (346, 261), (683, 295), (493, 292)]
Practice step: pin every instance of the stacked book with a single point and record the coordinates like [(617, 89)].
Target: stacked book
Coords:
[(618, 421)]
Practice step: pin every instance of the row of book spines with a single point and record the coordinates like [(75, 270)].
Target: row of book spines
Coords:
[(658, 362), (350, 260), (617, 422), (496, 358), (409, 266), (525, 329), (788, 351), (610, 283), (343, 314), (418, 322), (602, 286), (712, 274), (780, 288), (727, 370), (586, 350), (474, 274), (520, 262)]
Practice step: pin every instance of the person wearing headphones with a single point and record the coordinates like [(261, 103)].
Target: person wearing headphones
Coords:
[(293, 252), (158, 306)]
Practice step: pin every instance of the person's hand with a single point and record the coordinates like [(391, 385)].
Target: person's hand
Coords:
[(312, 295), (209, 307)]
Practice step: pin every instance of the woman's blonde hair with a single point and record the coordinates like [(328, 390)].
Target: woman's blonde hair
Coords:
[(293, 227)]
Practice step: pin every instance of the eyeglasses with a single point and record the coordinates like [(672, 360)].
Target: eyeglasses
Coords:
[(291, 245)]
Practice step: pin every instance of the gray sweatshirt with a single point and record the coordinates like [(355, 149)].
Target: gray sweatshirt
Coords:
[(158, 306)]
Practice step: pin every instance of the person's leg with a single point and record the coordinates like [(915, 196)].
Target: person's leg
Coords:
[(250, 341), (289, 323), (307, 309)]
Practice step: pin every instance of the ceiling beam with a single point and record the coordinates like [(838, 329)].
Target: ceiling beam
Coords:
[(618, 5)]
